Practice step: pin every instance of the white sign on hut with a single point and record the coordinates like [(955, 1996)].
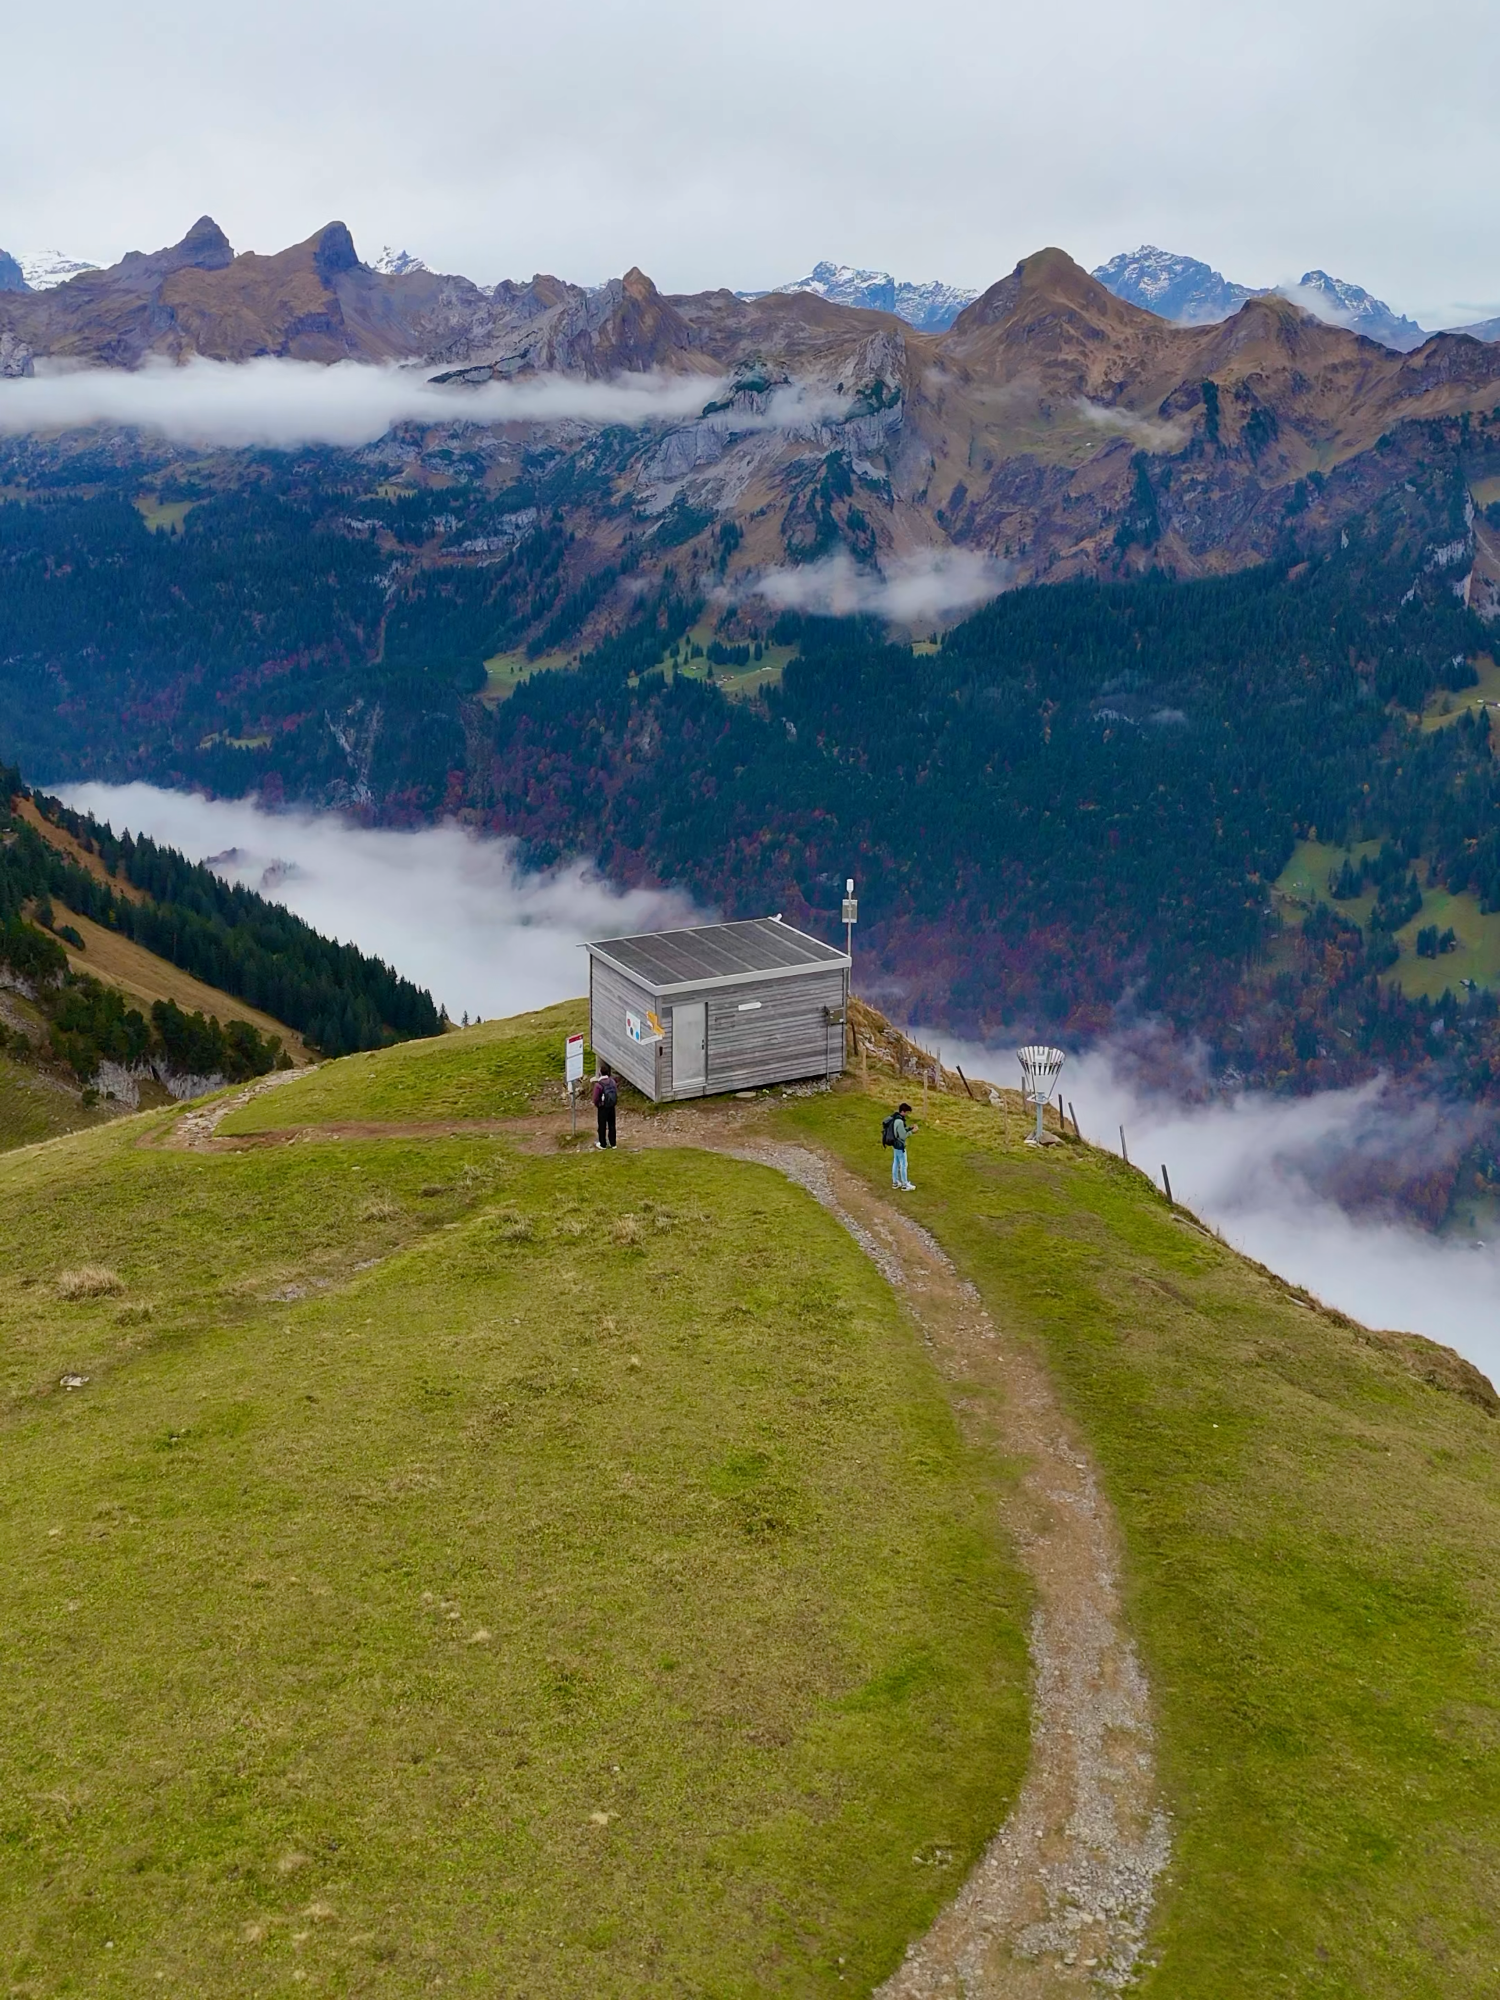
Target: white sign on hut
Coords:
[(721, 1007)]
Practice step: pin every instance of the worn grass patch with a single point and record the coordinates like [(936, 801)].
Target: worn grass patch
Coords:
[(560, 1576), (1313, 1542), (493, 1071)]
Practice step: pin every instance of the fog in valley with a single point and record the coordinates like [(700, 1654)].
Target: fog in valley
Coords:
[(1258, 1168), (460, 915), (457, 914)]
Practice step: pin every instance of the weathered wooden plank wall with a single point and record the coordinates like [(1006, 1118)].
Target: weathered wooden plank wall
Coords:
[(610, 994), (759, 1032)]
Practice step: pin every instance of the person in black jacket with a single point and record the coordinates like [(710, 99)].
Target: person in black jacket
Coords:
[(901, 1130), (606, 1097)]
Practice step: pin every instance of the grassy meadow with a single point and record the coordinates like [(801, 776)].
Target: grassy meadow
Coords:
[(496, 1070), (1313, 1552), (451, 1566), (551, 1574)]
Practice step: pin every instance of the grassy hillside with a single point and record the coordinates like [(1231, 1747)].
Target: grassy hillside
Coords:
[(474, 1560), (493, 1071), (542, 1574), (1313, 1533)]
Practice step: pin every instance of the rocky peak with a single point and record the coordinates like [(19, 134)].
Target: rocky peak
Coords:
[(1173, 287), (1342, 304), (205, 246), (334, 251), (1040, 286), (12, 277)]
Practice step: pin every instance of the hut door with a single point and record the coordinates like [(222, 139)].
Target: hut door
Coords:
[(689, 1069)]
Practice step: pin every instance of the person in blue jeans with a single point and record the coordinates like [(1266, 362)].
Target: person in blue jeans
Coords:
[(901, 1130)]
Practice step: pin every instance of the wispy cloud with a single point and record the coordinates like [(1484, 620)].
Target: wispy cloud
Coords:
[(452, 911), (934, 583), (282, 403), (1151, 433)]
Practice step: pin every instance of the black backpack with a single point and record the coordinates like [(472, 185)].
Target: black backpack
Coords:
[(609, 1091), (888, 1129)]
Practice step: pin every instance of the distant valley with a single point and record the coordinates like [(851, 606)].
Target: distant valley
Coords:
[(1097, 645)]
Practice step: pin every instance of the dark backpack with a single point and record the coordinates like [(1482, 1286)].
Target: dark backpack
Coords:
[(888, 1129), (609, 1092)]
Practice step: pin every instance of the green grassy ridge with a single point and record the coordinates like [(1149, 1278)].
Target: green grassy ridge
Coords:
[(492, 1071), (1313, 1570), (659, 1430)]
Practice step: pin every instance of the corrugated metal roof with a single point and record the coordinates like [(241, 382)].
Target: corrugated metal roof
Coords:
[(760, 948)]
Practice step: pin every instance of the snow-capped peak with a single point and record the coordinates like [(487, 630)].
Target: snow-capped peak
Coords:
[(1180, 288), (1342, 304), (929, 307), (42, 269), (397, 263), (1193, 293)]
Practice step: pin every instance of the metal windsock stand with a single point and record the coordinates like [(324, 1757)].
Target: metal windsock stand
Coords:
[(1040, 1068)]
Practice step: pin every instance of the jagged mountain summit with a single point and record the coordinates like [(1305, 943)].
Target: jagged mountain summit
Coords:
[(1192, 293), (12, 277), (930, 308)]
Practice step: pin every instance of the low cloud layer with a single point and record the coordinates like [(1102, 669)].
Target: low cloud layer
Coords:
[(454, 912), (934, 583), (1258, 1168), (282, 403)]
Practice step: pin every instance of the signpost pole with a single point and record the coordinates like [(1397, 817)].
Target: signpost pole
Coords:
[(573, 1061)]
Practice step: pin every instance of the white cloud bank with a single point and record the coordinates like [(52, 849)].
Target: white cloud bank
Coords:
[(454, 912), (1255, 1166), (934, 583), (270, 401)]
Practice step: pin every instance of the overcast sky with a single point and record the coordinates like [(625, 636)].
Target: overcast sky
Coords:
[(735, 145)]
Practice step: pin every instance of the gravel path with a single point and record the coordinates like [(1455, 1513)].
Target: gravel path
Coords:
[(1059, 1901), (194, 1130)]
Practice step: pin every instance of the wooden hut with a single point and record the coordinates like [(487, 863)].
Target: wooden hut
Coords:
[(722, 1007)]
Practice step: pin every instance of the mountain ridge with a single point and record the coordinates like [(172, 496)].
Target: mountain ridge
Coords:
[(1017, 434), (1192, 293)]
